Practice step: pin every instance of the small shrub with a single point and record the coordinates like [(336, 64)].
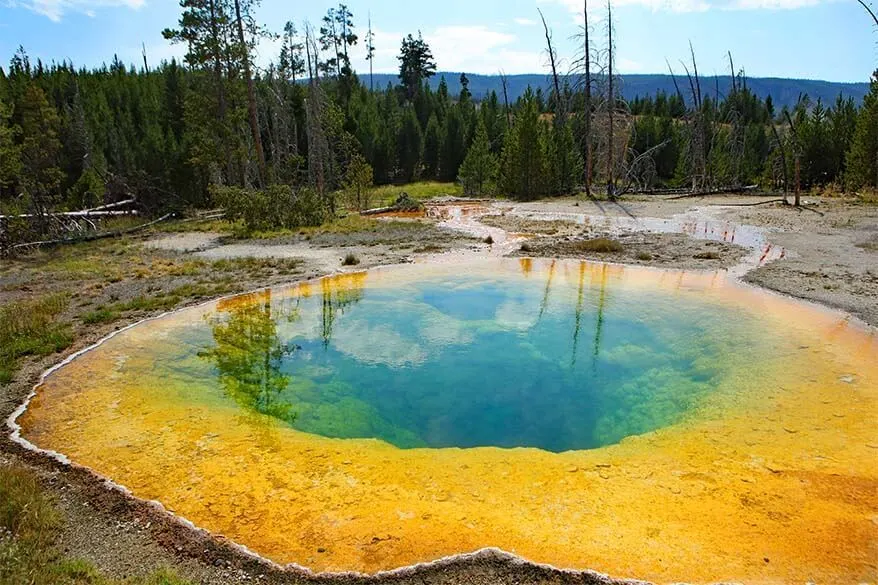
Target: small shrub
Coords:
[(277, 207), (350, 259), (526, 248), (644, 256), (489, 240), (706, 256), (405, 203), (599, 246), (102, 315)]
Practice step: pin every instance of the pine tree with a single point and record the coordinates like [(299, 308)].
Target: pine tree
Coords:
[(523, 165), (410, 146), (565, 159), (358, 180), (479, 170), (416, 63), (432, 144), (453, 149), (862, 158), (10, 157), (213, 104), (41, 174)]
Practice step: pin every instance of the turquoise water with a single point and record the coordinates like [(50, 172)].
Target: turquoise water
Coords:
[(531, 359)]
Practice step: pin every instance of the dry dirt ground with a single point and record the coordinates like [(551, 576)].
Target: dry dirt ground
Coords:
[(830, 258)]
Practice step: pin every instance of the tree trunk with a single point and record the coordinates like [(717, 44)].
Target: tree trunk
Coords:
[(587, 102), (251, 98), (611, 105)]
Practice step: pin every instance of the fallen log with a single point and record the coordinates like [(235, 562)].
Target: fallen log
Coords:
[(721, 191), (112, 205), (89, 238), (377, 210), (86, 213)]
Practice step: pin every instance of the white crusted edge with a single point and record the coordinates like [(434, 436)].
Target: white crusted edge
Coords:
[(450, 560)]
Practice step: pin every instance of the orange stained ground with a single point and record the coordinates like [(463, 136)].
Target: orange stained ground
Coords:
[(779, 485)]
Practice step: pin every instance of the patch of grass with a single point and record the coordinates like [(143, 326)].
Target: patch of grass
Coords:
[(146, 303), (644, 256), (526, 248), (29, 525), (199, 225), (350, 259), (101, 315), (255, 266), (25, 512), (868, 196), (31, 327), (346, 225), (869, 245), (387, 194), (599, 246), (427, 249), (706, 256)]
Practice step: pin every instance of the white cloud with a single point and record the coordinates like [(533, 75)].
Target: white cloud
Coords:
[(629, 65), (575, 6), (524, 21), (473, 49), (770, 4), (478, 49), (55, 9)]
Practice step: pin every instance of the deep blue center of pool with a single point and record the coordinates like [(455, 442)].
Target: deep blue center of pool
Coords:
[(469, 360)]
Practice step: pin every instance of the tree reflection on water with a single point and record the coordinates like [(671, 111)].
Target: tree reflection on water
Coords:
[(248, 355)]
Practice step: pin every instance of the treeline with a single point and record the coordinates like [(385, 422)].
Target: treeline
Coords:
[(748, 142), (307, 129)]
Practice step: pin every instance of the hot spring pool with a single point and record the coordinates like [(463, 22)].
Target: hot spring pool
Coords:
[(644, 423)]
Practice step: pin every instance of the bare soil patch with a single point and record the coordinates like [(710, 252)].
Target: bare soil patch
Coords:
[(645, 249)]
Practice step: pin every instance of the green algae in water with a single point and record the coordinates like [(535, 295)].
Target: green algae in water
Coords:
[(535, 359)]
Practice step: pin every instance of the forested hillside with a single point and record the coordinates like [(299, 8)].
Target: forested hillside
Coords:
[(784, 92), (284, 144)]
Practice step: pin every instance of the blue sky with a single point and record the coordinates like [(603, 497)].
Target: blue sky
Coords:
[(813, 39)]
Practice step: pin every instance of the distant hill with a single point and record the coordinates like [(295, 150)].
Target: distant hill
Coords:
[(782, 91)]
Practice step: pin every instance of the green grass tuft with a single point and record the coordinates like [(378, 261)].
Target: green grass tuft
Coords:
[(102, 315), (31, 327), (29, 526)]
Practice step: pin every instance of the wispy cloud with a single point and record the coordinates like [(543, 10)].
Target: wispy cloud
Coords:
[(524, 21), (575, 6), (56, 9), (486, 50)]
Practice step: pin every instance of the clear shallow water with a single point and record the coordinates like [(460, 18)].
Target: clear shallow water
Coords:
[(564, 357)]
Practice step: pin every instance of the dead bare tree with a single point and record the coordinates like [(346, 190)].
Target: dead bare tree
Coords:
[(783, 158), (797, 158), (611, 106), (251, 94), (869, 10), (583, 73), (586, 54), (505, 85), (560, 106)]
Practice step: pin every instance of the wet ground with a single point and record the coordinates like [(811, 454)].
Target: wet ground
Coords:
[(830, 258)]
